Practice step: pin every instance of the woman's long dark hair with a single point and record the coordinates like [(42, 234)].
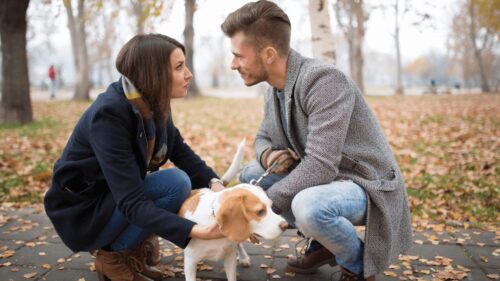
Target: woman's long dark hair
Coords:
[(145, 60)]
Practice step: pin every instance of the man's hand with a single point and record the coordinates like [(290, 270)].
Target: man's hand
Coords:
[(206, 232), (284, 159)]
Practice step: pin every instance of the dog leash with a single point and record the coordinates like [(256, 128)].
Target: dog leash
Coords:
[(265, 174)]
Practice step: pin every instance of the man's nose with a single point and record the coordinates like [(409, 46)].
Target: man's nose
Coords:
[(234, 64), (283, 225)]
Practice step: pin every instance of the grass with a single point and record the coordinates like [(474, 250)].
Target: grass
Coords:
[(448, 147)]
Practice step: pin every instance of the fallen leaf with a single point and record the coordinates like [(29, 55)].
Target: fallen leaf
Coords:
[(30, 275), (270, 271), (390, 273)]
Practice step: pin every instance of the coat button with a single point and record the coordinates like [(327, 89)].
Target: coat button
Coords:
[(140, 135)]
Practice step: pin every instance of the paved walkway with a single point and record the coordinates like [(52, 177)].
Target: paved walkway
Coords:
[(31, 250)]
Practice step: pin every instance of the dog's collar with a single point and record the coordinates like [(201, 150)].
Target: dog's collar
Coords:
[(213, 207)]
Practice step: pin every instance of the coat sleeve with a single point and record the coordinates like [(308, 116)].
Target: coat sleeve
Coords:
[(187, 160), (328, 99), (112, 138)]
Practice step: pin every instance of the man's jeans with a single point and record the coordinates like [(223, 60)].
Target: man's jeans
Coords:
[(326, 213), (167, 189)]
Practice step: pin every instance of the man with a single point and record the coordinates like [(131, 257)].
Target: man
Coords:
[(332, 166)]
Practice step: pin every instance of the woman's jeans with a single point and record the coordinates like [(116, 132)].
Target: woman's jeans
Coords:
[(326, 213), (168, 189)]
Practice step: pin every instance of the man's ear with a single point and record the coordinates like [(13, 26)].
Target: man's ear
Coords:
[(232, 219), (269, 54)]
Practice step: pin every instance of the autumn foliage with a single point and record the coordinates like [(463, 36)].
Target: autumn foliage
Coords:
[(448, 148)]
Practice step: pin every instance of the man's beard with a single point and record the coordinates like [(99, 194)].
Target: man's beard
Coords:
[(261, 76)]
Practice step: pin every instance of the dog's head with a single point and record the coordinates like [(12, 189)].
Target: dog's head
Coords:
[(245, 210)]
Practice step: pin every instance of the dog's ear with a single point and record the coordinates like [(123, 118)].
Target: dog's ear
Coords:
[(232, 218)]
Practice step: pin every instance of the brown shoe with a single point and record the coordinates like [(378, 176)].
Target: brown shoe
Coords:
[(349, 276), (113, 266), (145, 257), (315, 256)]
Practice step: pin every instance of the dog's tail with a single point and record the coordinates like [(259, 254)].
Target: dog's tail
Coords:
[(235, 165)]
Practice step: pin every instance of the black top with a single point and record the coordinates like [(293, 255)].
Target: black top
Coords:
[(103, 166)]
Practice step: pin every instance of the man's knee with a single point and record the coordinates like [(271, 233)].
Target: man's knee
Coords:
[(306, 210), (251, 171), (303, 208)]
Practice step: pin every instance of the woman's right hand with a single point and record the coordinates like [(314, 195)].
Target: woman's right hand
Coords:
[(206, 232)]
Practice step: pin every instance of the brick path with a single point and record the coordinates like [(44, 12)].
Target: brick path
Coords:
[(31, 250)]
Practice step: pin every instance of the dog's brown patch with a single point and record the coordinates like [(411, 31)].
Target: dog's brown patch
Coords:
[(238, 208), (191, 203)]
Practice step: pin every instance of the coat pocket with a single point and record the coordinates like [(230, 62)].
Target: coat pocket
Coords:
[(354, 166)]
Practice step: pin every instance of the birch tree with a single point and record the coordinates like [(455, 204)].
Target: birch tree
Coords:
[(323, 44)]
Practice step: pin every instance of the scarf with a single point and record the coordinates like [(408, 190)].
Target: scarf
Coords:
[(150, 128)]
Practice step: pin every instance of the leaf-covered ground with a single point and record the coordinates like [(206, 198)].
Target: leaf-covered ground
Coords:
[(448, 148)]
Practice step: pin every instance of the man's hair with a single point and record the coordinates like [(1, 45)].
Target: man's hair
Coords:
[(264, 22), (145, 60)]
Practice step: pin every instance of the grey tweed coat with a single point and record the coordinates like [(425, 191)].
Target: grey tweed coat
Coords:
[(337, 137)]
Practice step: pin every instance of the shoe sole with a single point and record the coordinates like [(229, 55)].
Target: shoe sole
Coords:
[(311, 270)]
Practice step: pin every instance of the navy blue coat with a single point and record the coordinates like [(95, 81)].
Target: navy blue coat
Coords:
[(103, 166)]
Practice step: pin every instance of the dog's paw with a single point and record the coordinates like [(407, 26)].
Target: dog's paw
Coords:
[(244, 262)]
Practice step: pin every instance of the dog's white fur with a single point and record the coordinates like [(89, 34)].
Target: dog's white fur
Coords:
[(212, 207)]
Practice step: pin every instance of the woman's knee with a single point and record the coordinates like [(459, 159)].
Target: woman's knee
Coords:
[(171, 183), (182, 182)]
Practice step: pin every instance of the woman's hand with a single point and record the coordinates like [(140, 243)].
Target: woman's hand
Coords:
[(216, 186), (206, 232)]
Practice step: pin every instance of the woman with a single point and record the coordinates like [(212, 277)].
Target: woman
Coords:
[(107, 192)]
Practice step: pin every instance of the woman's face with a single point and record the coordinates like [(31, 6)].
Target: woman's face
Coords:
[(180, 74)]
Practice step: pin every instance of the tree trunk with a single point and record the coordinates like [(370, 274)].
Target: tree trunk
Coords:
[(359, 34), (399, 75), (137, 8), (323, 44), (485, 87), (15, 106), (194, 91), (83, 84), (72, 32), (76, 28)]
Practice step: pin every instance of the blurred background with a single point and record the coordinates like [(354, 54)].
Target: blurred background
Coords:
[(387, 46)]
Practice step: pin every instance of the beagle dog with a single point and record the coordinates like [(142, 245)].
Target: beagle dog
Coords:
[(242, 212)]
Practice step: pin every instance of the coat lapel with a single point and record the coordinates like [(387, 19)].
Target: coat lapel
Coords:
[(292, 73)]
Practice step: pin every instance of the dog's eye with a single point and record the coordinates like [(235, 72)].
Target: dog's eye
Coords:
[(261, 213)]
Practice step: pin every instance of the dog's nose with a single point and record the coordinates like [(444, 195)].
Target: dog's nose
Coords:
[(283, 225)]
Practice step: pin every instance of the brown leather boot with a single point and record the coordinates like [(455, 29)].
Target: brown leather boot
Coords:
[(315, 256), (144, 257), (349, 276), (113, 266)]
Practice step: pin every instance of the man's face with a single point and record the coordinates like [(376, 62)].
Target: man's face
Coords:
[(247, 60)]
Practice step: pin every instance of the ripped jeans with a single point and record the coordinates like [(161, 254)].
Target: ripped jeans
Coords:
[(327, 213)]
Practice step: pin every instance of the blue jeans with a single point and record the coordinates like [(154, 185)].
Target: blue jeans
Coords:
[(327, 213), (168, 189)]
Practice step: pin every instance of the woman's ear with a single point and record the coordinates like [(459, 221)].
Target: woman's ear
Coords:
[(232, 219)]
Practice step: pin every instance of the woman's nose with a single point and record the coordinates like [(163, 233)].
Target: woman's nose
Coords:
[(189, 75)]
